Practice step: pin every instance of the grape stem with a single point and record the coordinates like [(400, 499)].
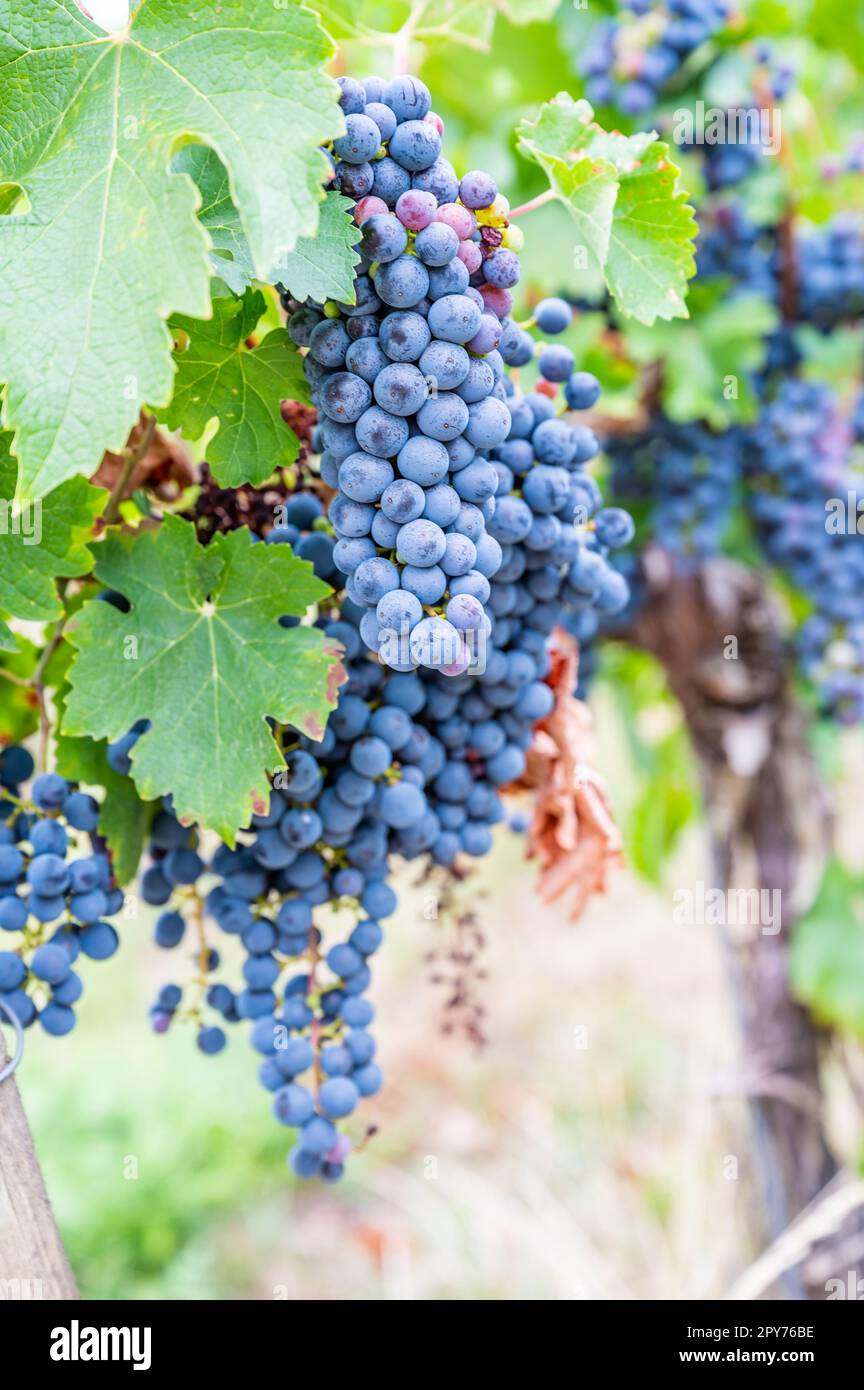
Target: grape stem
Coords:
[(404, 37), (203, 952), (36, 683), (131, 456), (540, 201)]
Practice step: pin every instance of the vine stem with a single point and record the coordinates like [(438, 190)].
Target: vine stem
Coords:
[(36, 683), (403, 39), (540, 201), (203, 952), (41, 694), (788, 295), (131, 457)]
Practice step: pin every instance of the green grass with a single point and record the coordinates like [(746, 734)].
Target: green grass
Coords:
[(145, 1143)]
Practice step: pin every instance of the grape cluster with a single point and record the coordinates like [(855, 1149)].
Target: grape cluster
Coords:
[(794, 468), (798, 460), (685, 480), (829, 266), (748, 132), (411, 764), (826, 274), (730, 162), (463, 510), (334, 816), (682, 479), (300, 522), (633, 57), (732, 248), (54, 899), (409, 380)]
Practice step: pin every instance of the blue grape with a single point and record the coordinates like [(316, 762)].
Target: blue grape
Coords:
[(408, 98), (361, 140), (384, 238), (381, 433), (416, 145), (421, 543), (402, 282), (404, 336), (400, 389), (363, 477), (443, 417), (581, 390), (454, 318)]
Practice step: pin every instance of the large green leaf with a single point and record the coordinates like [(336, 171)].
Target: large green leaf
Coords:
[(622, 193), (320, 267), (651, 243), (203, 656), (110, 244), (587, 187), (827, 954), (43, 541), (217, 375), (230, 257)]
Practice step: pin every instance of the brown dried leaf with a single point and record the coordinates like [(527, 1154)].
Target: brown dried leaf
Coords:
[(165, 466), (573, 832)]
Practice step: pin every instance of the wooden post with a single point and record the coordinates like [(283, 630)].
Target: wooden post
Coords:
[(717, 635), (33, 1262)]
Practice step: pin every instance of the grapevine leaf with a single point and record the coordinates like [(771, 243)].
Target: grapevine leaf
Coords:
[(651, 245), (41, 542), (557, 141), (110, 244), (124, 818), (230, 257), (322, 267), (466, 21), (202, 655), (663, 809), (523, 12), (827, 953), (351, 19), (217, 375), (622, 193)]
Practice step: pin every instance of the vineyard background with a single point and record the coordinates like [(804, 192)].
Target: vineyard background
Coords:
[(644, 1120)]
